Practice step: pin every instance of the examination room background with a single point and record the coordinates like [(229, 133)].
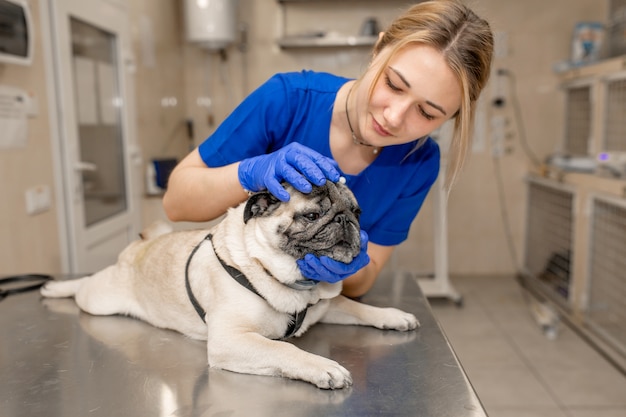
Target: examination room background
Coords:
[(533, 35)]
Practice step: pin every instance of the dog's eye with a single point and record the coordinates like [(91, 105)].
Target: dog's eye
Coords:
[(357, 212), (311, 216)]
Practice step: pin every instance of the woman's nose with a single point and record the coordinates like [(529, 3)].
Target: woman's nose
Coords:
[(395, 113)]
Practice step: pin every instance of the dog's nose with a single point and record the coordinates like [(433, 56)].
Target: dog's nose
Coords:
[(341, 218)]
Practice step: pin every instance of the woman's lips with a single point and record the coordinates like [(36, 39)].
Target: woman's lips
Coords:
[(379, 129)]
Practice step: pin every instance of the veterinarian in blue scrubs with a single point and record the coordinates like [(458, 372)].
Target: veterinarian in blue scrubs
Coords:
[(429, 66)]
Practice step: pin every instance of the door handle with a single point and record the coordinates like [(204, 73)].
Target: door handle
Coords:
[(85, 166)]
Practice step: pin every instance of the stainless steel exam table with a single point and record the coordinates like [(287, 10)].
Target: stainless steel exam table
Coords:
[(58, 361)]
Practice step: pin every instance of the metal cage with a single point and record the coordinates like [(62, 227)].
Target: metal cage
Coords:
[(578, 120), (606, 306), (549, 238)]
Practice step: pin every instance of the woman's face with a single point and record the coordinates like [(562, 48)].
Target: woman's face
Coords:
[(416, 93)]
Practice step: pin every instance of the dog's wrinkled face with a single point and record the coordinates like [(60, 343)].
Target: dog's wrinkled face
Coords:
[(324, 222)]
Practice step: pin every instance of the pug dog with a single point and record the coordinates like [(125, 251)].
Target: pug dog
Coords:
[(238, 285)]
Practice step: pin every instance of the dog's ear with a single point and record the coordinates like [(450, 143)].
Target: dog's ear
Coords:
[(260, 204)]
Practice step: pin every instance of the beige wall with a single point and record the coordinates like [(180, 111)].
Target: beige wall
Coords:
[(538, 35), (159, 51), (28, 243)]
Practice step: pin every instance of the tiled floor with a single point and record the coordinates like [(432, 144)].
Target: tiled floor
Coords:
[(515, 369)]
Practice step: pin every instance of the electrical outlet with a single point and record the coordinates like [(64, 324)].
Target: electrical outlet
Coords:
[(38, 199)]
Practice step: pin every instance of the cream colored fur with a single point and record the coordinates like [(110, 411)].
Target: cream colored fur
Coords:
[(241, 329)]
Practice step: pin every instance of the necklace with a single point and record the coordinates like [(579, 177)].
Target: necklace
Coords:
[(356, 140)]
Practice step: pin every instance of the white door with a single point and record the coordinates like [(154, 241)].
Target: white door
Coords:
[(90, 42)]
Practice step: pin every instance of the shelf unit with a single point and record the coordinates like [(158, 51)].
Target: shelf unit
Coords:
[(320, 39), (575, 244), (325, 41)]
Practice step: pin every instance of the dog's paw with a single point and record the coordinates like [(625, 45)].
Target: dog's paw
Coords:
[(394, 319), (332, 376), (324, 373)]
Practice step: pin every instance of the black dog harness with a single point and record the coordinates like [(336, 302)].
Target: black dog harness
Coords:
[(296, 318)]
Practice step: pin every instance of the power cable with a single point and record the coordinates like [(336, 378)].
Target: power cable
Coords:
[(549, 330), (519, 120)]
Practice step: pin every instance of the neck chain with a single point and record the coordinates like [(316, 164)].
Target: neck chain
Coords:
[(356, 140)]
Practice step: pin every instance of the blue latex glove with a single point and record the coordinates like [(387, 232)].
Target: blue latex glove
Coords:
[(298, 165), (329, 270)]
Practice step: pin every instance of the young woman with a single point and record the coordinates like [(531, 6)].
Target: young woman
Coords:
[(429, 66)]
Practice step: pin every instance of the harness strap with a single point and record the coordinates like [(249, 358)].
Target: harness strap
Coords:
[(295, 323), (235, 273), (296, 318), (192, 298)]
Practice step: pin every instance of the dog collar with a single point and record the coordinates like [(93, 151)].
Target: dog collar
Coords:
[(296, 318)]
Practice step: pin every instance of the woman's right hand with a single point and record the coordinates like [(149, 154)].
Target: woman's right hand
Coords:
[(297, 164)]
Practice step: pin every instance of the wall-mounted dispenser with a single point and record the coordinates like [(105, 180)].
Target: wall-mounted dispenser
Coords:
[(211, 23), (16, 32)]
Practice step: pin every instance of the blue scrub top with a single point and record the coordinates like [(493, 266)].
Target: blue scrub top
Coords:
[(297, 107)]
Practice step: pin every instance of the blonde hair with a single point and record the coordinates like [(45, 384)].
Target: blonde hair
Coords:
[(466, 42)]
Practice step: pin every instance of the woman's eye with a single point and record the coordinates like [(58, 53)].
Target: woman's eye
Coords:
[(426, 115), (312, 216), (391, 85)]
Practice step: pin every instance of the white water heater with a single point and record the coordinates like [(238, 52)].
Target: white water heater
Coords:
[(211, 23)]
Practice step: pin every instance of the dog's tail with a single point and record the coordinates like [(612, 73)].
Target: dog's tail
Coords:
[(98, 294), (62, 289)]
